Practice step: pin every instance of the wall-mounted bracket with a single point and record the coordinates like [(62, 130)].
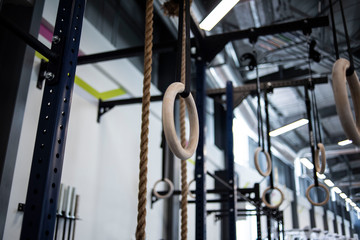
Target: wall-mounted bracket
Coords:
[(106, 106)]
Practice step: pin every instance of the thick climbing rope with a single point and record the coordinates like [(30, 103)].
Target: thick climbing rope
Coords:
[(184, 185), (141, 216)]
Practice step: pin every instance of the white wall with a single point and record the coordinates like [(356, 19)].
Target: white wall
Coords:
[(339, 222), (331, 217), (319, 219), (303, 212), (101, 161)]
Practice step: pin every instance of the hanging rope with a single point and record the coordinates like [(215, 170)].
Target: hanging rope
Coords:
[(141, 217), (184, 185)]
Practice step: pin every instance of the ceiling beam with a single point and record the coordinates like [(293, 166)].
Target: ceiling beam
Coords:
[(289, 73)]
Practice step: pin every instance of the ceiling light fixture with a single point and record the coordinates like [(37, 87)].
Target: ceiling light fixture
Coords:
[(288, 127), (344, 142), (321, 176), (337, 190), (343, 195), (353, 204), (348, 200), (217, 14), (329, 183), (307, 163)]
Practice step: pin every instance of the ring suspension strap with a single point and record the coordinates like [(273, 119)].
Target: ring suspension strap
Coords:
[(261, 142), (310, 126), (312, 146), (351, 69), (313, 98), (163, 169), (259, 114), (334, 30), (141, 216), (309, 116), (267, 117), (271, 180)]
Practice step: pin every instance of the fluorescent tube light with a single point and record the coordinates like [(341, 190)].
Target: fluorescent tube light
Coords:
[(357, 208), (217, 14), (353, 204), (348, 200), (329, 182), (343, 195), (337, 190), (321, 176), (344, 142), (288, 127), (307, 163)]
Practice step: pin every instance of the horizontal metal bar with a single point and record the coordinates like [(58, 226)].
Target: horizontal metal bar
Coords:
[(125, 53), (303, 24), (214, 191), (212, 45), (226, 210), (211, 200), (266, 85), (128, 101), (28, 38)]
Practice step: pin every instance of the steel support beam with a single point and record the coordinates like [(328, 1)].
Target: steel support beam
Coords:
[(208, 47), (27, 38), (200, 170), (125, 53), (215, 43), (229, 159), (45, 176)]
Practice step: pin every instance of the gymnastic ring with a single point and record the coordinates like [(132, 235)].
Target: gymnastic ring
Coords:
[(169, 126), (189, 192), (320, 203), (263, 197), (169, 192), (321, 149), (268, 161), (351, 127)]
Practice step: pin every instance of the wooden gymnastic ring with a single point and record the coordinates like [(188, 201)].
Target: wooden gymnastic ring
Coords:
[(169, 192), (321, 149), (263, 197), (169, 126), (351, 127), (268, 161), (189, 192), (320, 203)]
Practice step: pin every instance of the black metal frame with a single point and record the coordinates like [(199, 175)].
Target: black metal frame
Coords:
[(43, 188)]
